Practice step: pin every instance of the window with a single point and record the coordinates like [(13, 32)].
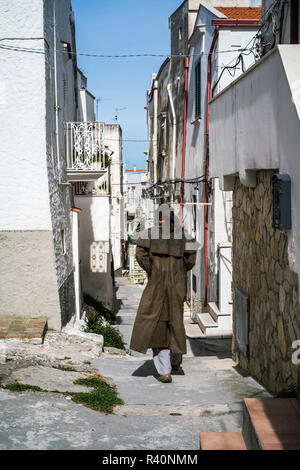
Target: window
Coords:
[(163, 134), (65, 89), (194, 208), (63, 241), (180, 33), (198, 89)]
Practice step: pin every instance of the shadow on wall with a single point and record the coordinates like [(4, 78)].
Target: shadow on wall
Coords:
[(97, 284)]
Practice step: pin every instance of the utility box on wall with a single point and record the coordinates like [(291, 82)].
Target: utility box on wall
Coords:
[(281, 186)]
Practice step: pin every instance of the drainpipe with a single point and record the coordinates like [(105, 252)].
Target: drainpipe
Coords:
[(56, 106), (169, 88), (186, 66), (76, 258), (208, 97), (154, 156)]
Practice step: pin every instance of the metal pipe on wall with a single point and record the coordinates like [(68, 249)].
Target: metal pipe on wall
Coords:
[(169, 88), (208, 96), (56, 106)]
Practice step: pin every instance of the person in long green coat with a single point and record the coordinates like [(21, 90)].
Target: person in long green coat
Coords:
[(166, 255)]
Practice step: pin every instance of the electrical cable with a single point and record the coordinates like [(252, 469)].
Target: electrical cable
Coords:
[(240, 58), (42, 51)]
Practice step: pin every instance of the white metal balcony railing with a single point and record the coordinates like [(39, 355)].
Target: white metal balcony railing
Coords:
[(85, 150)]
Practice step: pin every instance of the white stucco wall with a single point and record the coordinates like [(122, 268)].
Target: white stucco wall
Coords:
[(87, 106), (113, 140), (255, 123), (94, 226), (229, 39), (31, 164), (23, 182)]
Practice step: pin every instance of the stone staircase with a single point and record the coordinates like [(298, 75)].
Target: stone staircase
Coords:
[(268, 424), (128, 296), (137, 274), (215, 324)]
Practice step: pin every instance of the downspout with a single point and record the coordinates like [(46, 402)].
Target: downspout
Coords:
[(186, 66), (208, 96), (155, 98), (56, 106), (169, 88)]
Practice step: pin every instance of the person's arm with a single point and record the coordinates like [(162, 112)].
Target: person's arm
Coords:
[(143, 258), (189, 259)]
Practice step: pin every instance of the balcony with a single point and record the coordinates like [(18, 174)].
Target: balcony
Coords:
[(85, 152)]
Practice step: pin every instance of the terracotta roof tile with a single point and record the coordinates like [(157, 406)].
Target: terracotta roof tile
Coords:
[(241, 13)]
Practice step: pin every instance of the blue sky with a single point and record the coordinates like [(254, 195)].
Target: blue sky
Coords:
[(121, 27)]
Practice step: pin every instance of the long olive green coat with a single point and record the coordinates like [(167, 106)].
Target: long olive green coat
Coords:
[(159, 320)]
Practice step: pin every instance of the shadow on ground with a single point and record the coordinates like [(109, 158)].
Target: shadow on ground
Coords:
[(220, 348), (147, 369)]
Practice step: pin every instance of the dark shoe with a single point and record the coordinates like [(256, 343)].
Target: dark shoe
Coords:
[(166, 378), (177, 370)]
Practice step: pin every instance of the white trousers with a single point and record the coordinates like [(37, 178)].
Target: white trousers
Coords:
[(164, 360)]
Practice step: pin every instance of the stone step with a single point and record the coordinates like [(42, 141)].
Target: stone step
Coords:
[(206, 321), (222, 441), (193, 331), (24, 329), (218, 333), (128, 311), (271, 424), (128, 306), (214, 311), (125, 319)]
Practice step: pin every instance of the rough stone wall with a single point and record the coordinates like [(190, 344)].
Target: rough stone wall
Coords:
[(67, 300), (59, 195), (261, 268)]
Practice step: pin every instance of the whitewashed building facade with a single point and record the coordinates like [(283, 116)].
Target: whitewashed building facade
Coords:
[(255, 123), (37, 94), (219, 35)]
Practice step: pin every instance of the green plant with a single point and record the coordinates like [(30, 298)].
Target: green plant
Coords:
[(102, 398), (18, 387), (112, 337), (100, 321)]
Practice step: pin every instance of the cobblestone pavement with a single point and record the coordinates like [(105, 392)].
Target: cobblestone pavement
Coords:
[(206, 396)]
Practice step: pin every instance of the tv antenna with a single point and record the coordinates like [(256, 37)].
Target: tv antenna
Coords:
[(98, 101), (117, 110)]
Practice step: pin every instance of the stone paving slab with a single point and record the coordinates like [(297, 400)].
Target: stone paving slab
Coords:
[(201, 384), (165, 410), (23, 328), (39, 421), (206, 397), (48, 378)]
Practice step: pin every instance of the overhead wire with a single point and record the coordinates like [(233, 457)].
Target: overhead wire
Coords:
[(116, 56), (239, 58)]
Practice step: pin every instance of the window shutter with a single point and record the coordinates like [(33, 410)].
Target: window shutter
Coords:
[(198, 89)]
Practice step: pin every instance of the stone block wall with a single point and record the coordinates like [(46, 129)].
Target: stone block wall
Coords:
[(261, 268)]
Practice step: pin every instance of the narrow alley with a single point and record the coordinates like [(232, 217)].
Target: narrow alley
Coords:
[(150, 212), (206, 396)]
